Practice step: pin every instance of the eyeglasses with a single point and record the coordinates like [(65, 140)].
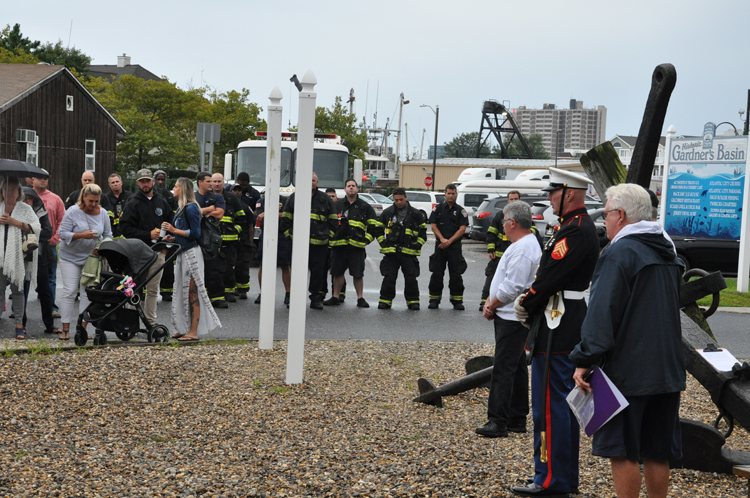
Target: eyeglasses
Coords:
[(606, 213)]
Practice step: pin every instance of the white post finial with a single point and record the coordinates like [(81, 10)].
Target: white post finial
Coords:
[(275, 96), (671, 131), (308, 81)]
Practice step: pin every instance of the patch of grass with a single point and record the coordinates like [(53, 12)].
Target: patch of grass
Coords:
[(280, 389), (20, 454), (235, 342), (398, 359), (42, 347), (257, 382), (730, 298), (8, 352)]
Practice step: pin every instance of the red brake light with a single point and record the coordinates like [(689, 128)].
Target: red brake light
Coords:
[(260, 133), (537, 217), (482, 215)]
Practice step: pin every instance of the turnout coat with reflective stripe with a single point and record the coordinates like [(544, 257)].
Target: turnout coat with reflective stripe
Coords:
[(407, 236), (323, 218), (358, 225)]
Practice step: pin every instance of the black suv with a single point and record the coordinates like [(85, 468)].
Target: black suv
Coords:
[(489, 208)]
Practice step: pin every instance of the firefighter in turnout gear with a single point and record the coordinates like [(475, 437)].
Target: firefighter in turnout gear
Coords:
[(555, 302), (357, 228), (449, 222), (233, 223), (403, 235), (250, 199), (323, 224)]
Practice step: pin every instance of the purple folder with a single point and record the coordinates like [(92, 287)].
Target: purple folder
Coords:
[(598, 407)]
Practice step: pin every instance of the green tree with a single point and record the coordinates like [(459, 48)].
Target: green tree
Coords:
[(13, 40), (10, 57), (535, 143), (239, 119), (338, 120), (465, 145), (159, 118), (72, 58)]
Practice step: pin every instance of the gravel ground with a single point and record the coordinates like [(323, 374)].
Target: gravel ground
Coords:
[(217, 419)]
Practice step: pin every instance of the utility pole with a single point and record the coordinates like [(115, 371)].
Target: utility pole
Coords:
[(401, 103)]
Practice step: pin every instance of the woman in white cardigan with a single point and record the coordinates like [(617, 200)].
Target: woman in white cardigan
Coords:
[(17, 219), (83, 225)]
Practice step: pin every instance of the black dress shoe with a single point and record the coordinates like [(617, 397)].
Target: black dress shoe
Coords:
[(491, 429), (286, 298), (520, 429), (332, 301), (573, 489), (536, 490), (361, 303), (257, 300)]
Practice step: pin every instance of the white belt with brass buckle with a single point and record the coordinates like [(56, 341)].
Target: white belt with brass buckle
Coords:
[(569, 294)]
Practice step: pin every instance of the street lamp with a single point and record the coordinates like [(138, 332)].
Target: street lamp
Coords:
[(434, 152)]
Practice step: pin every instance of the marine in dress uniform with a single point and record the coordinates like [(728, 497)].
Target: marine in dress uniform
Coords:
[(565, 271), (449, 221)]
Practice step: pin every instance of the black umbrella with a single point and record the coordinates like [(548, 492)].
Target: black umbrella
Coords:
[(21, 169)]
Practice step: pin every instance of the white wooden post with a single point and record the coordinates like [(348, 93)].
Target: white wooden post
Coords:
[(271, 220), (295, 357), (743, 268)]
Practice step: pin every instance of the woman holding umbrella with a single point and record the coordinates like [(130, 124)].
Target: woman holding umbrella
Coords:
[(18, 219)]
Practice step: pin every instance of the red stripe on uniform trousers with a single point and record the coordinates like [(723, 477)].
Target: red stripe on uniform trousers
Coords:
[(548, 416)]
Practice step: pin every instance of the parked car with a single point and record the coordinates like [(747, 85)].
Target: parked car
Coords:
[(545, 220), (708, 254), (487, 211), (376, 205), (424, 201)]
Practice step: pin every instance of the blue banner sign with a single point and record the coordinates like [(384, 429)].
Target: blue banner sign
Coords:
[(705, 187)]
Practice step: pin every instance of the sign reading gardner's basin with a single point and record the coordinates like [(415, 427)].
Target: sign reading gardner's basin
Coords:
[(706, 186)]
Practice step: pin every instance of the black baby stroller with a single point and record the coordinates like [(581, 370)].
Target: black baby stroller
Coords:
[(110, 309)]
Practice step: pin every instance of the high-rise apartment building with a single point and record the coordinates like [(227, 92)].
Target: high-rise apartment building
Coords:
[(574, 128)]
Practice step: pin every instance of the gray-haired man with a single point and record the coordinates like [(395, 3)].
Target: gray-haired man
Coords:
[(508, 404)]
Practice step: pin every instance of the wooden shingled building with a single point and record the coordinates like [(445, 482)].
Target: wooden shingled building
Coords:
[(47, 117)]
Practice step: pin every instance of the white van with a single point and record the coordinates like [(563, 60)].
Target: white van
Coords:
[(472, 193), (533, 175), (470, 174)]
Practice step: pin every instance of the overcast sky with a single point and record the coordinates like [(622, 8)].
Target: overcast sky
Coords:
[(452, 54)]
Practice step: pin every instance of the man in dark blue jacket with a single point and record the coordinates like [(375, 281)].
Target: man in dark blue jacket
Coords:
[(632, 329)]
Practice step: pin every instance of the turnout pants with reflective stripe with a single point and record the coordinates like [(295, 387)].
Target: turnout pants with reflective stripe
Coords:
[(561, 470), (167, 280), (317, 265), (489, 272), (242, 267), (389, 267), (450, 256), (213, 270), (230, 251)]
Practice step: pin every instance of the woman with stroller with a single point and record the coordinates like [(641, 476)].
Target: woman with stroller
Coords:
[(83, 225), (192, 314), (18, 219)]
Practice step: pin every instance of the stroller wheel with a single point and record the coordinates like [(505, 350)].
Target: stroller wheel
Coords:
[(158, 333), (125, 336), (81, 336), (100, 338)]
